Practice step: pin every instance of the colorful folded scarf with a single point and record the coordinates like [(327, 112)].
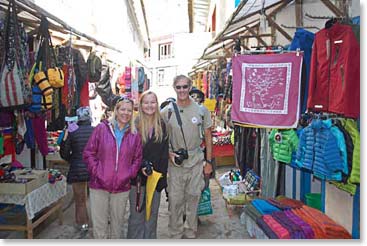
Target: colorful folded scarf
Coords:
[(319, 233), (332, 229), (295, 231), (290, 202), (306, 228), (252, 212), (281, 232), (266, 229), (263, 206)]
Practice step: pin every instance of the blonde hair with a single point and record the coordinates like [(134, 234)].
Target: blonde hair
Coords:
[(143, 121), (113, 120)]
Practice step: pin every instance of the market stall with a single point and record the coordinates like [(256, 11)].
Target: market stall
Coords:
[(279, 98)]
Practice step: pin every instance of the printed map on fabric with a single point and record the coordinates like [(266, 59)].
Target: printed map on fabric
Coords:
[(266, 90)]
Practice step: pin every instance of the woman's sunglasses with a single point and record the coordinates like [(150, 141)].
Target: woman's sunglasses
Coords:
[(181, 87), (124, 98)]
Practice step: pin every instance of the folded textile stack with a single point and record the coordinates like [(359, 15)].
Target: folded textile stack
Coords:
[(286, 218)]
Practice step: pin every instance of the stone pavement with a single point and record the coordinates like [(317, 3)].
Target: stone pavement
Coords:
[(222, 224)]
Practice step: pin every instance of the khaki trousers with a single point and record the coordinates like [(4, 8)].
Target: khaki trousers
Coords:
[(108, 212), (80, 197), (184, 190)]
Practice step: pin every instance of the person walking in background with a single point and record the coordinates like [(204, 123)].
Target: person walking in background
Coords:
[(155, 157), (71, 150), (187, 167), (113, 156)]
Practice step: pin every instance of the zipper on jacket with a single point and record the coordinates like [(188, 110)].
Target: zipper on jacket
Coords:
[(117, 146), (342, 75), (329, 50)]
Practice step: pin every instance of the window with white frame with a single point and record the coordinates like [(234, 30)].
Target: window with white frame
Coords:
[(160, 77), (165, 51)]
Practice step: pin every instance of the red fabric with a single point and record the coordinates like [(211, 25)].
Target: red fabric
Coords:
[(277, 228), (224, 150), (335, 72), (9, 146), (316, 227), (332, 229), (84, 95)]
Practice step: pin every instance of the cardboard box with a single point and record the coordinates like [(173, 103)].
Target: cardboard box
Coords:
[(33, 178)]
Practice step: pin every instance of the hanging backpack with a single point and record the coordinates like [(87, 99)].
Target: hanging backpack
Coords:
[(94, 64)]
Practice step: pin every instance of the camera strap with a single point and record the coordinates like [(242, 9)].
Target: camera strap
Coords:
[(179, 121)]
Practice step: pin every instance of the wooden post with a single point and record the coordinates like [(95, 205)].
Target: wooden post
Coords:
[(29, 228), (299, 12)]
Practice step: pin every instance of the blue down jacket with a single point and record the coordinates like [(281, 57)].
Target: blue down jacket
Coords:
[(322, 151)]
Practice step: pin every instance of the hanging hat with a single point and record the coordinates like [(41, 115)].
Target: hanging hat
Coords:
[(84, 113)]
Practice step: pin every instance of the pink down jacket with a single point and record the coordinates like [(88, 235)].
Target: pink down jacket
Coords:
[(109, 169)]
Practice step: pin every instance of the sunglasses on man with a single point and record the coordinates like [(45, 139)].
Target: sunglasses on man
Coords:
[(178, 87)]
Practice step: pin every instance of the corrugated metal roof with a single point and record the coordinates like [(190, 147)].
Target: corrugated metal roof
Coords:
[(200, 14)]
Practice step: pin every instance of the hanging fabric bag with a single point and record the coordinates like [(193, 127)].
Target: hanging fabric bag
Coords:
[(12, 84)]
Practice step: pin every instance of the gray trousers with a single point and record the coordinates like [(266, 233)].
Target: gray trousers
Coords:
[(107, 207), (184, 191), (269, 169), (138, 227)]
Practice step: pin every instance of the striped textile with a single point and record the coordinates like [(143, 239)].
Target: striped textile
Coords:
[(295, 231), (332, 229), (252, 212), (266, 229), (263, 206), (277, 228), (290, 202), (278, 204), (306, 228), (318, 230)]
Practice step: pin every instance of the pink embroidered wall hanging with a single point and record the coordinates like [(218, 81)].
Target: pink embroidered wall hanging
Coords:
[(266, 89)]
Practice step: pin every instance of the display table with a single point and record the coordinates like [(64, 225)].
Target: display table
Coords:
[(46, 199)]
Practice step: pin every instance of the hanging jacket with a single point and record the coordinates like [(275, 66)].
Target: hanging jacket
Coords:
[(351, 126), (305, 152), (335, 72), (318, 150), (341, 143), (349, 145), (110, 168), (303, 40), (71, 150), (282, 144)]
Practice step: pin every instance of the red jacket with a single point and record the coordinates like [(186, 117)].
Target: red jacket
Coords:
[(334, 75), (109, 169)]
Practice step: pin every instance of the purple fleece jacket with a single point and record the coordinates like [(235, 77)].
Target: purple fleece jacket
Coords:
[(110, 169)]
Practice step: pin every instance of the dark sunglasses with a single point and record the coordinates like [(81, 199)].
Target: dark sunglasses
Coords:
[(124, 98), (181, 87)]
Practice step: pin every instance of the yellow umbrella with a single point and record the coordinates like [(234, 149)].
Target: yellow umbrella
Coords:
[(150, 188)]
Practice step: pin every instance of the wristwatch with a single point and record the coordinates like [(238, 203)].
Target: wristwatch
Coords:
[(210, 161)]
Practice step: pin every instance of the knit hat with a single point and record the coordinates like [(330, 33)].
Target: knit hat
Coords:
[(84, 114)]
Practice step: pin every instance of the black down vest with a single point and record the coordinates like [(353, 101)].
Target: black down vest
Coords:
[(71, 150)]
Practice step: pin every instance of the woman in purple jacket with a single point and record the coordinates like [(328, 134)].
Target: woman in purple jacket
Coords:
[(113, 155)]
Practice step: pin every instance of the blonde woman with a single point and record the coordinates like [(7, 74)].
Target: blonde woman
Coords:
[(155, 155), (113, 155)]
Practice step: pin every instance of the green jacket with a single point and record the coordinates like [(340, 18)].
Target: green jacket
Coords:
[(351, 126), (282, 144)]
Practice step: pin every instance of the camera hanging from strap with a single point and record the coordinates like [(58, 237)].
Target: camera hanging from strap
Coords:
[(179, 121)]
